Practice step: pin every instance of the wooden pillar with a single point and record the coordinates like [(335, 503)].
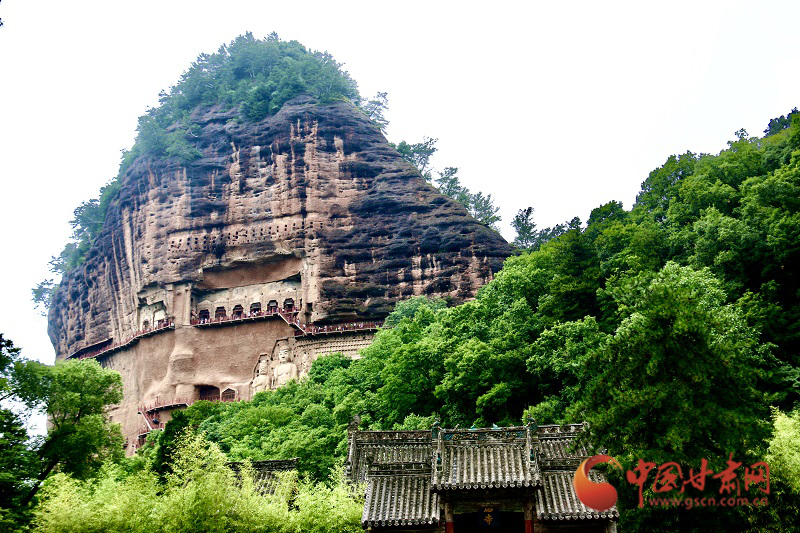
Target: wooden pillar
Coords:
[(449, 527), (528, 510)]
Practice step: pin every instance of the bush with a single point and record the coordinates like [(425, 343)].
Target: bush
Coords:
[(201, 494)]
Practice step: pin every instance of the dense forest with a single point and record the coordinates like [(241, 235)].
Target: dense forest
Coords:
[(672, 329)]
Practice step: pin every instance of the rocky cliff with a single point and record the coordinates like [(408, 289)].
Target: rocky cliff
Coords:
[(312, 198)]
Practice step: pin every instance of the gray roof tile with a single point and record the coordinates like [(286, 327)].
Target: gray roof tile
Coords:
[(267, 474), (407, 472), (466, 466), (398, 494), (558, 500)]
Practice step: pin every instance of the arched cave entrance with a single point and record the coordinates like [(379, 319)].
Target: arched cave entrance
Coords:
[(208, 393), (238, 311), (255, 308), (220, 313), (272, 306), (228, 395), (288, 304), (204, 315)]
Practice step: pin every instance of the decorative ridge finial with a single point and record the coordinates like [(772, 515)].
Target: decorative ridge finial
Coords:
[(435, 428), (354, 423)]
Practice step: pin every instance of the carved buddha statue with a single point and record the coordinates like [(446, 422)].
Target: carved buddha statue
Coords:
[(285, 369)]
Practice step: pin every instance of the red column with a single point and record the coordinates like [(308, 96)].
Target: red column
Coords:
[(528, 509), (449, 527)]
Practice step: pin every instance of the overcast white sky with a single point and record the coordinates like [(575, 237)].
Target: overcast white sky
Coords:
[(562, 106)]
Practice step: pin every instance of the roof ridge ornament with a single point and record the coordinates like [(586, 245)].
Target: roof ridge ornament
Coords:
[(435, 428)]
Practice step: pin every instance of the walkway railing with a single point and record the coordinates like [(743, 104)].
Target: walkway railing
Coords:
[(246, 317), (164, 326), (290, 316), (312, 329), (144, 429), (151, 423), (161, 404)]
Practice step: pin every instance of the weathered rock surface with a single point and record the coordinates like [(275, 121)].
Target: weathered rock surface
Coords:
[(310, 210), (316, 183)]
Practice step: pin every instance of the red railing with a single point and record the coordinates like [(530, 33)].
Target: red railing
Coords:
[(150, 423), (244, 317), (163, 326), (160, 404), (290, 316), (312, 329), (144, 429)]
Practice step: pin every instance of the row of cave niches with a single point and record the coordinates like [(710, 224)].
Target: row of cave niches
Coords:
[(210, 393), (209, 240), (238, 311)]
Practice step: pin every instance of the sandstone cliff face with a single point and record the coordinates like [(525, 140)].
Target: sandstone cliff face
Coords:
[(309, 211), (312, 202)]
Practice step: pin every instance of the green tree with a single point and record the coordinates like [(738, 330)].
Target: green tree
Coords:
[(658, 188), (74, 396), (165, 442), (678, 379), (482, 209), (525, 228), (419, 155), (783, 458), (9, 357), (783, 122), (203, 493), (17, 461), (681, 379), (375, 109), (449, 184), (407, 309), (557, 363), (783, 454), (413, 366)]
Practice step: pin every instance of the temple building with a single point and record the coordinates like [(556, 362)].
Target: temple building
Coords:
[(510, 479)]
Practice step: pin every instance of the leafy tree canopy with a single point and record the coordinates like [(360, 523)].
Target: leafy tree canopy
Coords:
[(74, 396)]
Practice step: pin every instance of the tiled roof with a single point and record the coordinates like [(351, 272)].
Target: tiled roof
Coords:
[(375, 447), (560, 449), (559, 431), (558, 500), (482, 458), (267, 473), (398, 494), (408, 473), (558, 454)]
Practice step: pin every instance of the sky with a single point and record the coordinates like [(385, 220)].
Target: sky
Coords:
[(562, 106)]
